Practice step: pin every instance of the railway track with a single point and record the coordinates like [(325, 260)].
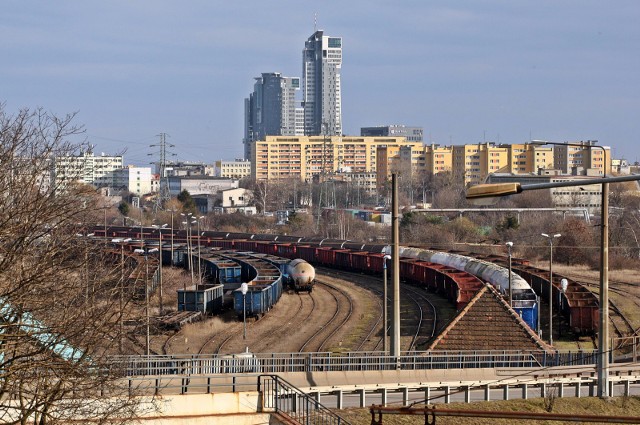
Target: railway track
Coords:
[(332, 304), (621, 324), (423, 333), (376, 326), (420, 329), (341, 316)]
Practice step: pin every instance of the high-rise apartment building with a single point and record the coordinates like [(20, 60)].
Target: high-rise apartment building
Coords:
[(271, 109), (321, 92)]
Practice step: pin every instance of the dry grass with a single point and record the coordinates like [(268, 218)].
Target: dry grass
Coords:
[(619, 406), (173, 278)]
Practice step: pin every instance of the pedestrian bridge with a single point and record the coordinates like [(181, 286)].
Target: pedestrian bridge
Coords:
[(247, 397)]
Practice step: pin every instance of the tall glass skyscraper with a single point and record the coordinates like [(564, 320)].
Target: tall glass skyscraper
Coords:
[(271, 109), (321, 94)]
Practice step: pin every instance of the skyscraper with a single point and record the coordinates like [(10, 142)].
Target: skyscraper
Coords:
[(271, 109), (321, 94)]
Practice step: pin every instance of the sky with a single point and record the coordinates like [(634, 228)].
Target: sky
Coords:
[(467, 71)]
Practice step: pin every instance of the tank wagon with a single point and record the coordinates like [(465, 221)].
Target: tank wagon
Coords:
[(300, 275), (578, 304)]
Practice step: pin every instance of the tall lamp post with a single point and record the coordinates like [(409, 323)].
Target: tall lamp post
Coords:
[(385, 340), (244, 288), (551, 238), (188, 222), (505, 189), (172, 213), (395, 257), (159, 229), (564, 284), (145, 254), (509, 246), (199, 256)]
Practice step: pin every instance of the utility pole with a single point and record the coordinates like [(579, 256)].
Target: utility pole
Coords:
[(395, 258), (162, 165)]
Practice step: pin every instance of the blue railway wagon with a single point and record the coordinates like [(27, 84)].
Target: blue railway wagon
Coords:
[(528, 310), (206, 299), (229, 271), (259, 298)]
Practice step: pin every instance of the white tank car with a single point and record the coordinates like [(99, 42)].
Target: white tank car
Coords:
[(300, 275)]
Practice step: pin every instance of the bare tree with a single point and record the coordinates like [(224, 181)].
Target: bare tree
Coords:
[(59, 304), (262, 193)]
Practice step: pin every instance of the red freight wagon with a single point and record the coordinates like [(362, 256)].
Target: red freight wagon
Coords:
[(308, 253), (265, 247), (407, 270), (287, 250), (468, 285), (376, 265), (227, 244), (246, 245), (343, 259), (361, 261), (326, 257)]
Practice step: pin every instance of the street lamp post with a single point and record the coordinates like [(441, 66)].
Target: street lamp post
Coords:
[(159, 228), (147, 341), (395, 257), (551, 237), (385, 313), (509, 246), (199, 262), (244, 288), (505, 189), (172, 212), (188, 222), (564, 284), (603, 327)]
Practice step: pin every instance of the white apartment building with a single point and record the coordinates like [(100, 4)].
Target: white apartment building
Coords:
[(86, 168), (237, 169), (136, 180)]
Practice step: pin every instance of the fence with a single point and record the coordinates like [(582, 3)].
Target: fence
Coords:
[(283, 398), (357, 361)]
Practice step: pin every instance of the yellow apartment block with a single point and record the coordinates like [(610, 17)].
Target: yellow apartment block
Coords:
[(302, 157), (473, 163), (586, 156)]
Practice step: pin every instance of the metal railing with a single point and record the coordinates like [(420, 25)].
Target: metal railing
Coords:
[(355, 361), (281, 397)]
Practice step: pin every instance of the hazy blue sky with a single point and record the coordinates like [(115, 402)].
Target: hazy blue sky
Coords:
[(466, 71)]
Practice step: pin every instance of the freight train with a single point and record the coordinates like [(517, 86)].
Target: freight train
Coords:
[(456, 276)]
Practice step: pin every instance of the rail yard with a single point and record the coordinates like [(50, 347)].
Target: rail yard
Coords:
[(343, 313)]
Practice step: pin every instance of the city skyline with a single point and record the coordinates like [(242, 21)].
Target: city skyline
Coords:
[(465, 73)]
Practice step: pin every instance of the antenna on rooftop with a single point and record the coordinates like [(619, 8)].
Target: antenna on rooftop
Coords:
[(315, 22)]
